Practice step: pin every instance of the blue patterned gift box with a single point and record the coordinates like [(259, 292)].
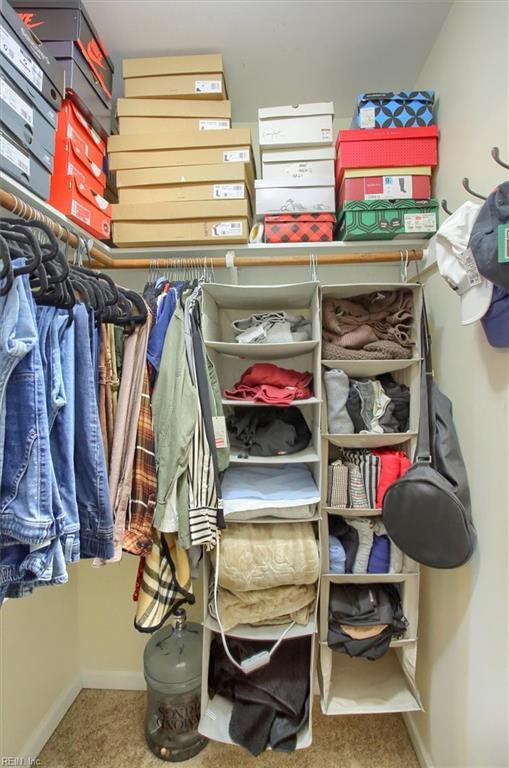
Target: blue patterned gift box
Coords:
[(404, 109)]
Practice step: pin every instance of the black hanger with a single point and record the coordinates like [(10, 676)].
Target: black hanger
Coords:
[(6, 273), (466, 185), (495, 153), (443, 204)]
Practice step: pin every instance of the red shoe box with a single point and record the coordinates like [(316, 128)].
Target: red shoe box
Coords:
[(83, 206), (70, 161), (385, 188), (299, 228), (384, 147), (72, 126)]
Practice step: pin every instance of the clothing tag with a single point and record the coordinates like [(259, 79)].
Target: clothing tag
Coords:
[(227, 229), (220, 433), (467, 261), (81, 213), (20, 59), (367, 115), (236, 156), (14, 156), (207, 86), (503, 243), (214, 125), (393, 188), (222, 191), (420, 222), (16, 103), (35, 547)]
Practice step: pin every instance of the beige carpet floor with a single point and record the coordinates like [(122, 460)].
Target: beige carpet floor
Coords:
[(104, 729)]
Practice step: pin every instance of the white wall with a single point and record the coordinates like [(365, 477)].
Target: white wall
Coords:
[(463, 653)]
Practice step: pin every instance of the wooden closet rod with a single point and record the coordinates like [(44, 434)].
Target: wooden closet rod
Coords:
[(25, 211), (17, 206)]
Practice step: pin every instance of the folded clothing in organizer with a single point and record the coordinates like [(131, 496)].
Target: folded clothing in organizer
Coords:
[(268, 383), (366, 545), (363, 619), (264, 488), (271, 705), (270, 555), (271, 328), (270, 431), (372, 326), (278, 605)]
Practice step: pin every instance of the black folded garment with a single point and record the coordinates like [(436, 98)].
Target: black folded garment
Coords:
[(400, 402), (270, 705), (363, 606), (268, 431)]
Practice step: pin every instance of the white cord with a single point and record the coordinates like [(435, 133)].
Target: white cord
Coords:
[(221, 628)]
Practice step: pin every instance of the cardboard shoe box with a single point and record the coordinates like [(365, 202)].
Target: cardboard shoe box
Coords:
[(300, 125), (155, 66), (73, 126), (174, 157), (22, 166), (209, 86), (22, 118), (222, 173), (311, 163), (128, 125), (178, 139), (28, 93), (387, 219), (271, 198), (70, 161), (152, 108), (88, 209), (67, 20), (26, 53), (182, 210)]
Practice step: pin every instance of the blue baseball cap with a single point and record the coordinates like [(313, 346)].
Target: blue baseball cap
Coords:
[(496, 320)]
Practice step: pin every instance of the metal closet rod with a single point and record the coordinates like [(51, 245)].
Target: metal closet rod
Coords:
[(20, 208)]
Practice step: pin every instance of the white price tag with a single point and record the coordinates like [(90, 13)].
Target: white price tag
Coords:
[(420, 222), (16, 103), (214, 125), (367, 115), (393, 188), (326, 134), (220, 432), (227, 229), (20, 59), (467, 261), (228, 191), (207, 86), (81, 213), (236, 156), (14, 156)]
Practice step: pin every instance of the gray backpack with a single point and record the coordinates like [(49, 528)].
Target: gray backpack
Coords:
[(427, 512)]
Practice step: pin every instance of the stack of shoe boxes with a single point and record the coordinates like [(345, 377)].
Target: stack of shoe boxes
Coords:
[(184, 176), (79, 181), (31, 91), (296, 194), (384, 165)]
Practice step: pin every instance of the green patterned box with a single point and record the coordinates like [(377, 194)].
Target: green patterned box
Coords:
[(387, 219)]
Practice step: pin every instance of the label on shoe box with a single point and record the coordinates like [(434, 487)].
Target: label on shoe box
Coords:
[(207, 86), (14, 156), (227, 229), (81, 213), (367, 117), (391, 188), (228, 191), (16, 103), (20, 59), (214, 125), (420, 222), (236, 156)]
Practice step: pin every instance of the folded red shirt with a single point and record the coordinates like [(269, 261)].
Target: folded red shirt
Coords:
[(268, 383), (393, 464)]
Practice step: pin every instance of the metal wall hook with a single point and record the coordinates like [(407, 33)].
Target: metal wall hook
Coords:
[(444, 207), (466, 185), (495, 153)]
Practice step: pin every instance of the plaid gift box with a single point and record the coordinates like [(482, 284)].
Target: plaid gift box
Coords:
[(299, 228)]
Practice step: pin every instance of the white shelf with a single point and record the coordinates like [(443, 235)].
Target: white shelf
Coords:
[(368, 578), (367, 368), (235, 403), (307, 456), (268, 632), (265, 520), (369, 440), (351, 512), (357, 686), (263, 351)]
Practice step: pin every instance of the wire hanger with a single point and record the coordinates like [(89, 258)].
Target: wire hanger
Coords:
[(495, 153)]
